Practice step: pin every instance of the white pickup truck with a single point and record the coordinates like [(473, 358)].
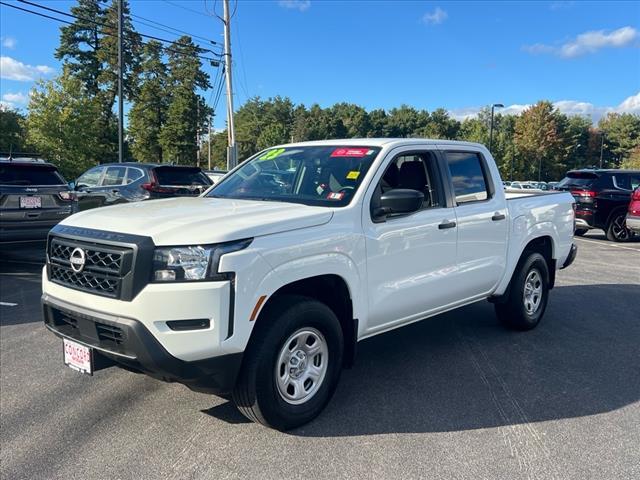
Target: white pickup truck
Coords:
[(262, 287)]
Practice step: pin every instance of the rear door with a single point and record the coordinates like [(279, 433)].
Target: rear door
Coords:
[(482, 221), (411, 258)]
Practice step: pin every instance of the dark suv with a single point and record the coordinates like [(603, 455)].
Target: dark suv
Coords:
[(33, 198), (602, 198), (109, 184)]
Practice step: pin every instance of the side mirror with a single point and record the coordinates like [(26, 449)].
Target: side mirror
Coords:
[(399, 201), (71, 185)]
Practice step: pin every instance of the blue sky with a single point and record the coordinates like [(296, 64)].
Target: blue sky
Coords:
[(585, 56)]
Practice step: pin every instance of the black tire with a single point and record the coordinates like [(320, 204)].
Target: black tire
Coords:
[(617, 230), (514, 313), (256, 393), (581, 231)]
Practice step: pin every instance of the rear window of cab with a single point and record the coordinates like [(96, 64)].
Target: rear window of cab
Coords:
[(25, 174)]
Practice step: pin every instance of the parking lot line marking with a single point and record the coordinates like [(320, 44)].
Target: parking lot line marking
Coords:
[(609, 244), (8, 304)]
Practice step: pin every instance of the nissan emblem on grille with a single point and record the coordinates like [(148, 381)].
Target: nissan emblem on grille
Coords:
[(77, 259)]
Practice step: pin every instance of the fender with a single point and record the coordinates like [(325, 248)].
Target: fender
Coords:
[(523, 233)]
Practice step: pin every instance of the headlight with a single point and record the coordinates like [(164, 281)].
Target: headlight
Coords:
[(187, 264)]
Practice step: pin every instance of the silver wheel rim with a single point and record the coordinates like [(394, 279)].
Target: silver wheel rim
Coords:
[(302, 365), (532, 292)]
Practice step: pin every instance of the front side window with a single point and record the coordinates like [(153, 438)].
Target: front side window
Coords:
[(311, 175), (469, 184), (414, 171), (91, 177)]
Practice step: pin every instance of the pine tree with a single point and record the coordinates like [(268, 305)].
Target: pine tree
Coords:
[(148, 113), (178, 135)]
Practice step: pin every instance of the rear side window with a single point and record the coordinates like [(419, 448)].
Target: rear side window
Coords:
[(114, 176), (626, 181), (133, 174), (467, 175), (176, 176), (29, 175)]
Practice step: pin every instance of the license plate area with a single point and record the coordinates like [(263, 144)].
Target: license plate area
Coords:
[(30, 202), (77, 356)]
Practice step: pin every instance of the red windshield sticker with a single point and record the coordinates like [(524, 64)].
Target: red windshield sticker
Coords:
[(335, 196), (350, 152)]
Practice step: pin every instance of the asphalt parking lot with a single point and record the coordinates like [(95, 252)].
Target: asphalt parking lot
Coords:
[(455, 397)]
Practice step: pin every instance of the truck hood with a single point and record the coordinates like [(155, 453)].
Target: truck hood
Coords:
[(182, 221)]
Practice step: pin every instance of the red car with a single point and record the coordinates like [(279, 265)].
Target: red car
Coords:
[(633, 213)]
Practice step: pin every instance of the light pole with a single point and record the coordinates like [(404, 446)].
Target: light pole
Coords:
[(498, 105), (601, 145)]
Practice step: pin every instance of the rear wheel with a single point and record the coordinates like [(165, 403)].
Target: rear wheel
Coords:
[(580, 231), (528, 294), (293, 364), (617, 230)]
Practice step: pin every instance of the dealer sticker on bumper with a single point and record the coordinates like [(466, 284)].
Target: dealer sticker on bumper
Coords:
[(77, 356)]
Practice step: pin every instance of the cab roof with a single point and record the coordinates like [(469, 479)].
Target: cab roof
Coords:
[(381, 142)]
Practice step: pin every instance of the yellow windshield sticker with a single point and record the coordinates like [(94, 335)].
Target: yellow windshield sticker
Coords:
[(353, 175), (271, 154)]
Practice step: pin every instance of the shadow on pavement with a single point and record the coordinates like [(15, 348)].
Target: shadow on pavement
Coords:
[(462, 370)]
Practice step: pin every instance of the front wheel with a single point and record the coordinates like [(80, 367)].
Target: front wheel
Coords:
[(528, 294), (617, 230), (292, 365)]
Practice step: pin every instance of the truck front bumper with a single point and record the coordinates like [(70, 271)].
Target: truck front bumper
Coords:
[(127, 342)]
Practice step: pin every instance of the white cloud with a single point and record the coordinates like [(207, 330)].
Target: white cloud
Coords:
[(568, 107), (8, 42), (588, 42), (301, 5), (436, 17), (11, 69), (14, 98)]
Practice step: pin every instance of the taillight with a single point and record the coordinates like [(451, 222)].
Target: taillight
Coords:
[(65, 196), (583, 193), (154, 187), (634, 206)]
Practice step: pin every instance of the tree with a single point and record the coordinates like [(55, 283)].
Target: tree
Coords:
[(539, 142), (80, 42), (12, 132), (149, 111), (187, 111), (61, 124), (621, 136)]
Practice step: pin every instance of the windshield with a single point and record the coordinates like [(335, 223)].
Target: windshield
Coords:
[(314, 175)]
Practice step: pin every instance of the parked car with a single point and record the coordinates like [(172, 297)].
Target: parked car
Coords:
[(110, 184), (215, 175), (633, 212), (602, 198), (33, 198), (263, 287)]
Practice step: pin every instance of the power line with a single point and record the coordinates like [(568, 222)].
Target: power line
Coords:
[(60, 12), (185, 8), (167, 28)]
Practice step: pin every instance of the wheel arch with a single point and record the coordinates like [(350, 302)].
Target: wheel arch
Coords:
[(331, 290)]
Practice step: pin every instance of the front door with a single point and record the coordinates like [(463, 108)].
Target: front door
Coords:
[(411, 259)]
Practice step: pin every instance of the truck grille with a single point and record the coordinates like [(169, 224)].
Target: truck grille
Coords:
[(103, 270)]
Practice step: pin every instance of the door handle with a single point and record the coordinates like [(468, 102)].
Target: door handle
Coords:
[(498, 216), (445, 225)]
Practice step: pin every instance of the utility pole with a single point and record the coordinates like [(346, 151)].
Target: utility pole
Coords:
[(120, 101), (198, 132), (209, 145), (498, 105), (231, 149)]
